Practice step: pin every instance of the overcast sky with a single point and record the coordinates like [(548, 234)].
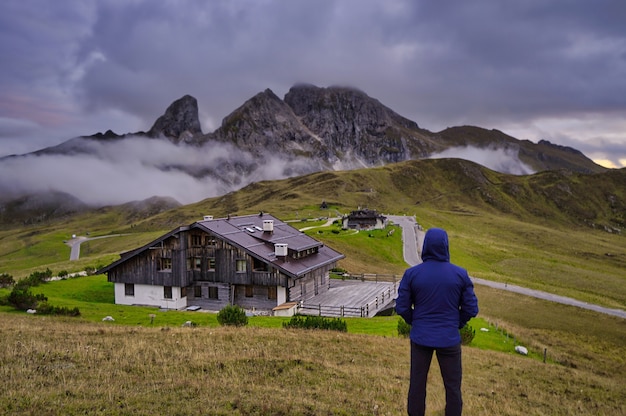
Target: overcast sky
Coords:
[(535, 69)]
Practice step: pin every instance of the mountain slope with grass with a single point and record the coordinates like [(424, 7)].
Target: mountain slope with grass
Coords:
[(555, 231)]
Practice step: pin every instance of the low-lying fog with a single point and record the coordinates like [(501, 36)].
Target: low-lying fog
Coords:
[(119, 171)]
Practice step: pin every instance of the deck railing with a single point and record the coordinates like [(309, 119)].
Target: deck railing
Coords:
[(364, 311), (369, 277)]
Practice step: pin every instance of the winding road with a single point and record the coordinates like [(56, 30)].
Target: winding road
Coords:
[(75, 243), (413, 237)]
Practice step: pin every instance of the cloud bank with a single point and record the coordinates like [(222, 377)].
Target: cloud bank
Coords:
[(499, 159), (137, 168)]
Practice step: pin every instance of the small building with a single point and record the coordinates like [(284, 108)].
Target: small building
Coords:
[(254, 261), (364, 219)]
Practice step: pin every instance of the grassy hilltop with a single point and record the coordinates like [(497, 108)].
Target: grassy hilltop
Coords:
[(552, 231)]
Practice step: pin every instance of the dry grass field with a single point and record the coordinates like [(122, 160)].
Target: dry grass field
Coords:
[(52, 366)]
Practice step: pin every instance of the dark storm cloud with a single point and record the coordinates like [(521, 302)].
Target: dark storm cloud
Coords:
[(524, 67)]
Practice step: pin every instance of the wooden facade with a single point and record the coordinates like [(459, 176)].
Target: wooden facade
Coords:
[(229, 261)]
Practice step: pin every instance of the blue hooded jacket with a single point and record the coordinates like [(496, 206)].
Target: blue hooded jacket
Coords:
[(436, 297)]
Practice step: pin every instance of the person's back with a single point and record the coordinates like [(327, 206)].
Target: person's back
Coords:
[(436, 298)]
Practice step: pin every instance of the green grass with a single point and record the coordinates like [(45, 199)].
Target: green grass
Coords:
[(384, 246), (94, 297)]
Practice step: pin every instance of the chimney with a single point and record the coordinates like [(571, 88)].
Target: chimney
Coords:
[(280, 249), (268, 226), (208, 218)]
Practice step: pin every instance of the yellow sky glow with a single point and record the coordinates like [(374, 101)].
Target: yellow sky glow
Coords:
[(609, 164)]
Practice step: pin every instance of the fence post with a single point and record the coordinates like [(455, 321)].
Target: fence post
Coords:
[(342, 311), (319, 308)]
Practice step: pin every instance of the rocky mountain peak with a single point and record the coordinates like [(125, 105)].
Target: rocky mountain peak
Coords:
[(344, 105), (180, 123), (262, 124)]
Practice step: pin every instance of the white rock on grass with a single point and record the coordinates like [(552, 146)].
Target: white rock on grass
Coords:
[(521, 350), (108, 318)]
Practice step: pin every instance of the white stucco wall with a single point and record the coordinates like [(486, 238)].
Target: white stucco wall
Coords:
[(150, 295)]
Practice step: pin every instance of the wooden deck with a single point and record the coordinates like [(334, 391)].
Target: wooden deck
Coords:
[(351, 298)]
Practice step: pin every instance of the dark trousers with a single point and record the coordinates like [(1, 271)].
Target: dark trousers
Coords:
[(451, 371)]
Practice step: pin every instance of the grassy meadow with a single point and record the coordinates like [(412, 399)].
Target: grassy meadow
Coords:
[(145, 362)]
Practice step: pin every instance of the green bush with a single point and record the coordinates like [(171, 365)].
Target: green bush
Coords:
[(6, 280), (232, 315), (316, 322), (467, 334), (403, 328), (35, 279), (44, 308), (23, 299)]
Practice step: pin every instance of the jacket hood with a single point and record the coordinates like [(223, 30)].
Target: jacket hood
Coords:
[(436, 245)]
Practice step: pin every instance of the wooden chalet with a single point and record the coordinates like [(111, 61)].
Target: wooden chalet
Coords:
[(364, 219), (254, 261)]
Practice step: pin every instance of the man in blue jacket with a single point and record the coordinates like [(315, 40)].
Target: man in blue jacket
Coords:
[(437, 299)]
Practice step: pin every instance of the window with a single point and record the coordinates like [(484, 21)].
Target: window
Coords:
[(210, 241), (197, 263), (249, 291), (241, 265), (183, 292), (259, 265), (165, 263), (197, 291), (129, 289), (213, 292), (196, 240), (271, 292), (212, 263), (167, 292)]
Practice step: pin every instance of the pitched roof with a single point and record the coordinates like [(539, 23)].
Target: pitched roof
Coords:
[(246, 232)]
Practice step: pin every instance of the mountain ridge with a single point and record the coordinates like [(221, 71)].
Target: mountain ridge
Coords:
[(311, 129)]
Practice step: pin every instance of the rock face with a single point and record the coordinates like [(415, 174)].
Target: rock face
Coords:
[(352, 124), (264, 124), (180, 123), (334, 128)]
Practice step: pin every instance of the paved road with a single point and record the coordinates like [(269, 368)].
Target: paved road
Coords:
[(413, 237), (75, 243)]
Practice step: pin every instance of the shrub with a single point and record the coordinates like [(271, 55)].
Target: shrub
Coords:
[(23, 299), (6, 280), (35, 279), (232, 315), (63, 274), (467, 334), (316, 322), (404, 329), (44, 308)]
